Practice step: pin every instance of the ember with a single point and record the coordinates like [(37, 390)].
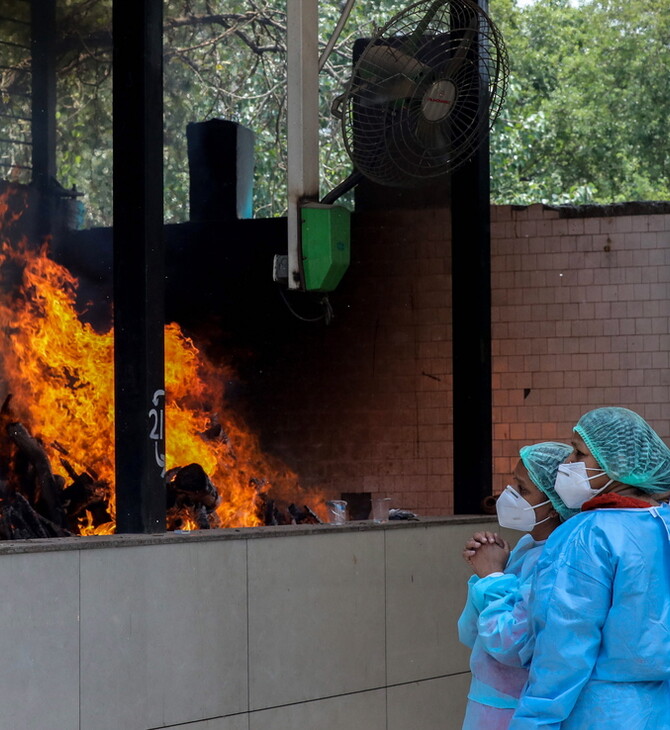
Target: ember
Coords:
[(57, 438)]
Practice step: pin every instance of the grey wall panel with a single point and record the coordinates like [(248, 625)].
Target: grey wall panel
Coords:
[(316, 616)]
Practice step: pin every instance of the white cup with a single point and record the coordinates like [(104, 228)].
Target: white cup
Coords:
[(380, 509)]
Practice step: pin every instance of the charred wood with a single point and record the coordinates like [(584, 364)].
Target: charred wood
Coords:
[(70, 470), (19, 521), (191, 487), (49, 487), (5, 445), (303, 516), (271, 511), (202, 517), (84, 495), (191, 497)]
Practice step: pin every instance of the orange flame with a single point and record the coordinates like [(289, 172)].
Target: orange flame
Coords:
[(59, 372)]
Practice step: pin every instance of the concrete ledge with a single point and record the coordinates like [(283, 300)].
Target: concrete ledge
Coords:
[(97, 542)]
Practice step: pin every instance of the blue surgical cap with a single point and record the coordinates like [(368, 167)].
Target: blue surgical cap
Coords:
[(542, 462), (627, 448)]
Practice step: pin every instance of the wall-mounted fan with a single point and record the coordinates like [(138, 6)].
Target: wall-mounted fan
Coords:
[(422, 96), (424, 92)]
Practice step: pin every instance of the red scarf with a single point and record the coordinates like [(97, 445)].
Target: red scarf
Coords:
[(613, 500)]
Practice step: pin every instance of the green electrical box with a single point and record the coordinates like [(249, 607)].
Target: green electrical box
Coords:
[(325, 242)]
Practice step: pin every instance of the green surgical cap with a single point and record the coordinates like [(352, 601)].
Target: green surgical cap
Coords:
[(627, 448), (542, 462)]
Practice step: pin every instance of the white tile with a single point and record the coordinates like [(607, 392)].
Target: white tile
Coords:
[(316, 616), (39, 643), (433, 704), (163, 634), (361, 711), (426, 589)]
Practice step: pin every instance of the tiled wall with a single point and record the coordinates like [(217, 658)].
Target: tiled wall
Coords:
[(324, 629), (580, 320), (581, 311), (364, 404)]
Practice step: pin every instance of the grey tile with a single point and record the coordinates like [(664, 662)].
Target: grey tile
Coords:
[(361, 711), (433, 704), (39, 643), (236, 722), (316, 616), (426, 590), (163, 634)]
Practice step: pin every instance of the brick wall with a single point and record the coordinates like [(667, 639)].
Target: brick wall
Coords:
[(580, 320), (364, 404)]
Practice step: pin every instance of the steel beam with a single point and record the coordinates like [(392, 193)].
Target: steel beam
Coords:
[(139, 266), (471, 333)]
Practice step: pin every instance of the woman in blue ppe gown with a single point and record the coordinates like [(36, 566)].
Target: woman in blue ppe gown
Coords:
[(494, 622), (600, 602)]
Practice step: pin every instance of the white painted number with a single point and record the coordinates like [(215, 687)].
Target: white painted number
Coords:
[(157, 432)]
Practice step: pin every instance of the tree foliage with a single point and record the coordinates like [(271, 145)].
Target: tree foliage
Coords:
[(585, 118), (230, 65)]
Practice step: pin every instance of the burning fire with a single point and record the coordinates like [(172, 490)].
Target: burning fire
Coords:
[(59, 373)]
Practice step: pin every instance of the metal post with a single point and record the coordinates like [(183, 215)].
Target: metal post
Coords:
[(139, 266), (471, 338), (43, 101), (303, 123)]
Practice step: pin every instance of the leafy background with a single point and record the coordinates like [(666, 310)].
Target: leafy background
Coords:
[(585, 121)]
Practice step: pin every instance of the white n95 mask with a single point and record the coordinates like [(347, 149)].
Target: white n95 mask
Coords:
[(572, 484), (516, 512)]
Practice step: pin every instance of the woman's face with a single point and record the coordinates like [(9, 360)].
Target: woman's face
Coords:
[(521, 481), (580, 452), (525, 487)]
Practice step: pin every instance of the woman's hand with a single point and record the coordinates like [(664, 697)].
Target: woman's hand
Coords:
[(494, 553), (490, 558), (479, 539)]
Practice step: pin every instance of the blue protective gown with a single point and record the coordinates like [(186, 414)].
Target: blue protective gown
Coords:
[(494, 624), (600, 610)]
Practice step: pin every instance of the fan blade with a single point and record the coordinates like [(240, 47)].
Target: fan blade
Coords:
[(382, 61), (453, 65), (392, 89), (385, 73), (431, 135)]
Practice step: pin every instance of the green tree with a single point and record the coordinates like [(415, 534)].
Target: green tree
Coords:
[(228, 64), (585, 120)]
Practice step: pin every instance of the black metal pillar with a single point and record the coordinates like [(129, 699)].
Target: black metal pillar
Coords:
[(43, 102), (471, 316), (139, 266)]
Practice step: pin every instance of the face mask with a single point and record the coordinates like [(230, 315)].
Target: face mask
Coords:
[(516, 512), (572, 484)]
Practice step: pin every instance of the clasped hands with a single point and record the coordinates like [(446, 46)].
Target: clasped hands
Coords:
[(486, 553)]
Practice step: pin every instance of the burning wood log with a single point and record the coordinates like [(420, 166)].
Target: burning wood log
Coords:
[(19, 521), (271, 515), (85, 494), (303, 516), (49, 487), (272, 512), (73, 474), (5, 444), (190, 492), (192, 487)]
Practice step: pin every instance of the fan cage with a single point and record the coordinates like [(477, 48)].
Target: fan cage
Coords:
[(424, 92)]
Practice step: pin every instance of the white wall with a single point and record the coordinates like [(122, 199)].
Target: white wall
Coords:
[(289, 629)]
